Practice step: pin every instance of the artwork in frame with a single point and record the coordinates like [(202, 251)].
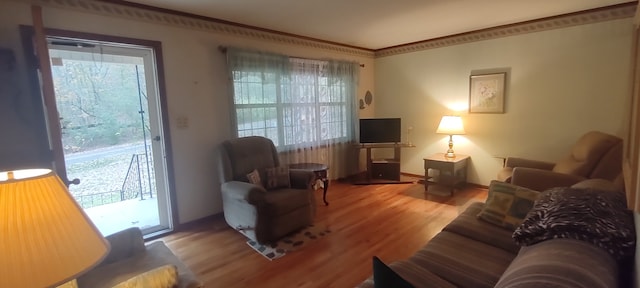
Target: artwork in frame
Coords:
[(486, 93)]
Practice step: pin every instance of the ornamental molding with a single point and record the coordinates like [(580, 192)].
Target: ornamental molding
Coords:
[(211, 25), (195, 23), (574, 19)]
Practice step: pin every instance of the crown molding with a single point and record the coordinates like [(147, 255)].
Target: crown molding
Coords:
[(118, 9), (130, 11), (614, 12)]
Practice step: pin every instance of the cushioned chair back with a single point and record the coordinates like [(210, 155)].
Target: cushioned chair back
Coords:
[(610, 166), (587, 153), (242, 155)]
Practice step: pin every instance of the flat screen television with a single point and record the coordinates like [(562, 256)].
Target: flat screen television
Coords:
[(380, 130)]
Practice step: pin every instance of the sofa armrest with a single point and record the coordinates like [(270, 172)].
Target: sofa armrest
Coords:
[(301, 179), (540, 180), (561, 263), (238, 190), (124, 244), (522, 162)]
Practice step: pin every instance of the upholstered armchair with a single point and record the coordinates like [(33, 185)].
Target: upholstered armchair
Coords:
[(270, 208), (594, 155)]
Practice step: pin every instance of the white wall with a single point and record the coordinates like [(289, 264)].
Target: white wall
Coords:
[(196, 83), (561, 84)]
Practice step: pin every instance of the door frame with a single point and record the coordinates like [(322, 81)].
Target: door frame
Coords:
[(28, 32)]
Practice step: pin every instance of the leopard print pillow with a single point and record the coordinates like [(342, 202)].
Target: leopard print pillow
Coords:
[(598, 217)]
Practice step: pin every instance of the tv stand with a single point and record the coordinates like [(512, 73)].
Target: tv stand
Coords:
[(382, 171)]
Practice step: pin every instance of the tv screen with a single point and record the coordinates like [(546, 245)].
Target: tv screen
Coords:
[(380, 130)]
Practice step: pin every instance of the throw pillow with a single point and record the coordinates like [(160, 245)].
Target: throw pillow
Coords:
[(507, 205), (254, 177), (595, 216), (384, 277), (162, 277), (278, 177)]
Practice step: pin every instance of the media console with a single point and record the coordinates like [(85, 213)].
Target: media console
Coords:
[(382, 170)]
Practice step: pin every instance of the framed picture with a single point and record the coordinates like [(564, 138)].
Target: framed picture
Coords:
[(486, 93)]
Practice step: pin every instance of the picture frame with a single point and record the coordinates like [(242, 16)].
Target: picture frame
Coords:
[(487, 93)]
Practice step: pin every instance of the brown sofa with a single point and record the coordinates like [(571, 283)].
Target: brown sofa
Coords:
[(596, 155), (470, 252), (130, 257)]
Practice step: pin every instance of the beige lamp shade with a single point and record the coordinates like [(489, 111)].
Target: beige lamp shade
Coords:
[(451, 125), (46, 239)]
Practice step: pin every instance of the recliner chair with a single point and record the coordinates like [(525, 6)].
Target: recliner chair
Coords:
[(595, 155), (261, 214)]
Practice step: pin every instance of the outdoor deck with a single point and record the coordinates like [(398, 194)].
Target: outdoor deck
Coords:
[(111, 218)]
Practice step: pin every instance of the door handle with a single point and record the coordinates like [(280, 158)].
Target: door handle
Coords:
[(157, 138), (75, 181)]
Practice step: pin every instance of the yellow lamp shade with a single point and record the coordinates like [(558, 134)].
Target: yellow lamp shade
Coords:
[(46, 239), (451, 125)]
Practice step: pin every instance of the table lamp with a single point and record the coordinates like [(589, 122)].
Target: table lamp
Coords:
[(450, 125), (46, 239)]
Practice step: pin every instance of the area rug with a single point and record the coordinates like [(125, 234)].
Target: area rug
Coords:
[(290, 243)]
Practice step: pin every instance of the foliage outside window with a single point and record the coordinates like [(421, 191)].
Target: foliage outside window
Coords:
[(294, 102)]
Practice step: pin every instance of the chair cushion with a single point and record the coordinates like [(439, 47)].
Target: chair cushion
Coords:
[(284, 200), (248, 153), (586, 153), (278, 177)]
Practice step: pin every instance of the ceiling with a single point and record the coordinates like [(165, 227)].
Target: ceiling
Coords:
[(376, 24)]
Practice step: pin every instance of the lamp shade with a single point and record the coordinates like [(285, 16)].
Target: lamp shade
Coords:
[(451, 125), (46, 239)]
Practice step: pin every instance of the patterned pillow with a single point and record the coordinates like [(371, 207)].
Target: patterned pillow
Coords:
[(594, 216), (254, 177), (162, 277), (507, 205), (278, 177)]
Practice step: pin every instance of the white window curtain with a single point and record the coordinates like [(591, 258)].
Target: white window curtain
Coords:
[(306, 107)]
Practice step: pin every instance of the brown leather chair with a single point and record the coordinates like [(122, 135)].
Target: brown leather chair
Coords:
[(596, 155), (260, 214)]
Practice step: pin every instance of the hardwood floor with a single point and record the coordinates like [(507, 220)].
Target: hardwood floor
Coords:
[(389, 221)]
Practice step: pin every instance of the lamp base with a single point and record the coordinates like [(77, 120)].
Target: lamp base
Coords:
[(450, 154)]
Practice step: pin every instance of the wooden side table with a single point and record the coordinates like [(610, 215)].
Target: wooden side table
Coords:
[(453, 171), (320, 170)]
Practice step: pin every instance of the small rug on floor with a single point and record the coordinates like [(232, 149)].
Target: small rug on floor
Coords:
[(289, 243)]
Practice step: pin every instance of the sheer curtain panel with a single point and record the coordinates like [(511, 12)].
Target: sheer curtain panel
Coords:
[(306, 107)]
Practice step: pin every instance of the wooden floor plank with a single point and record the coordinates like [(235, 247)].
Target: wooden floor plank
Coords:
[(390, 221)]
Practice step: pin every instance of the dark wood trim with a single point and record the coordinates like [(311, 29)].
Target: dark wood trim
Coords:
[(162, 92), (48, 93), (36, 113), (216, 20)]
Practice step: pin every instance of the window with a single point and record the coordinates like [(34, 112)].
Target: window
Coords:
[(294, 102)]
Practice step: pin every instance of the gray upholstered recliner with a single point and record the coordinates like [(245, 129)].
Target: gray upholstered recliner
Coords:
[(596, 155), (260, 214)]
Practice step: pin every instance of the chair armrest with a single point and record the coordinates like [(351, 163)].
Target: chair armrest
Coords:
[(251, 193), (540, 180), (301, 179), (522, 162), (124, 244)]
